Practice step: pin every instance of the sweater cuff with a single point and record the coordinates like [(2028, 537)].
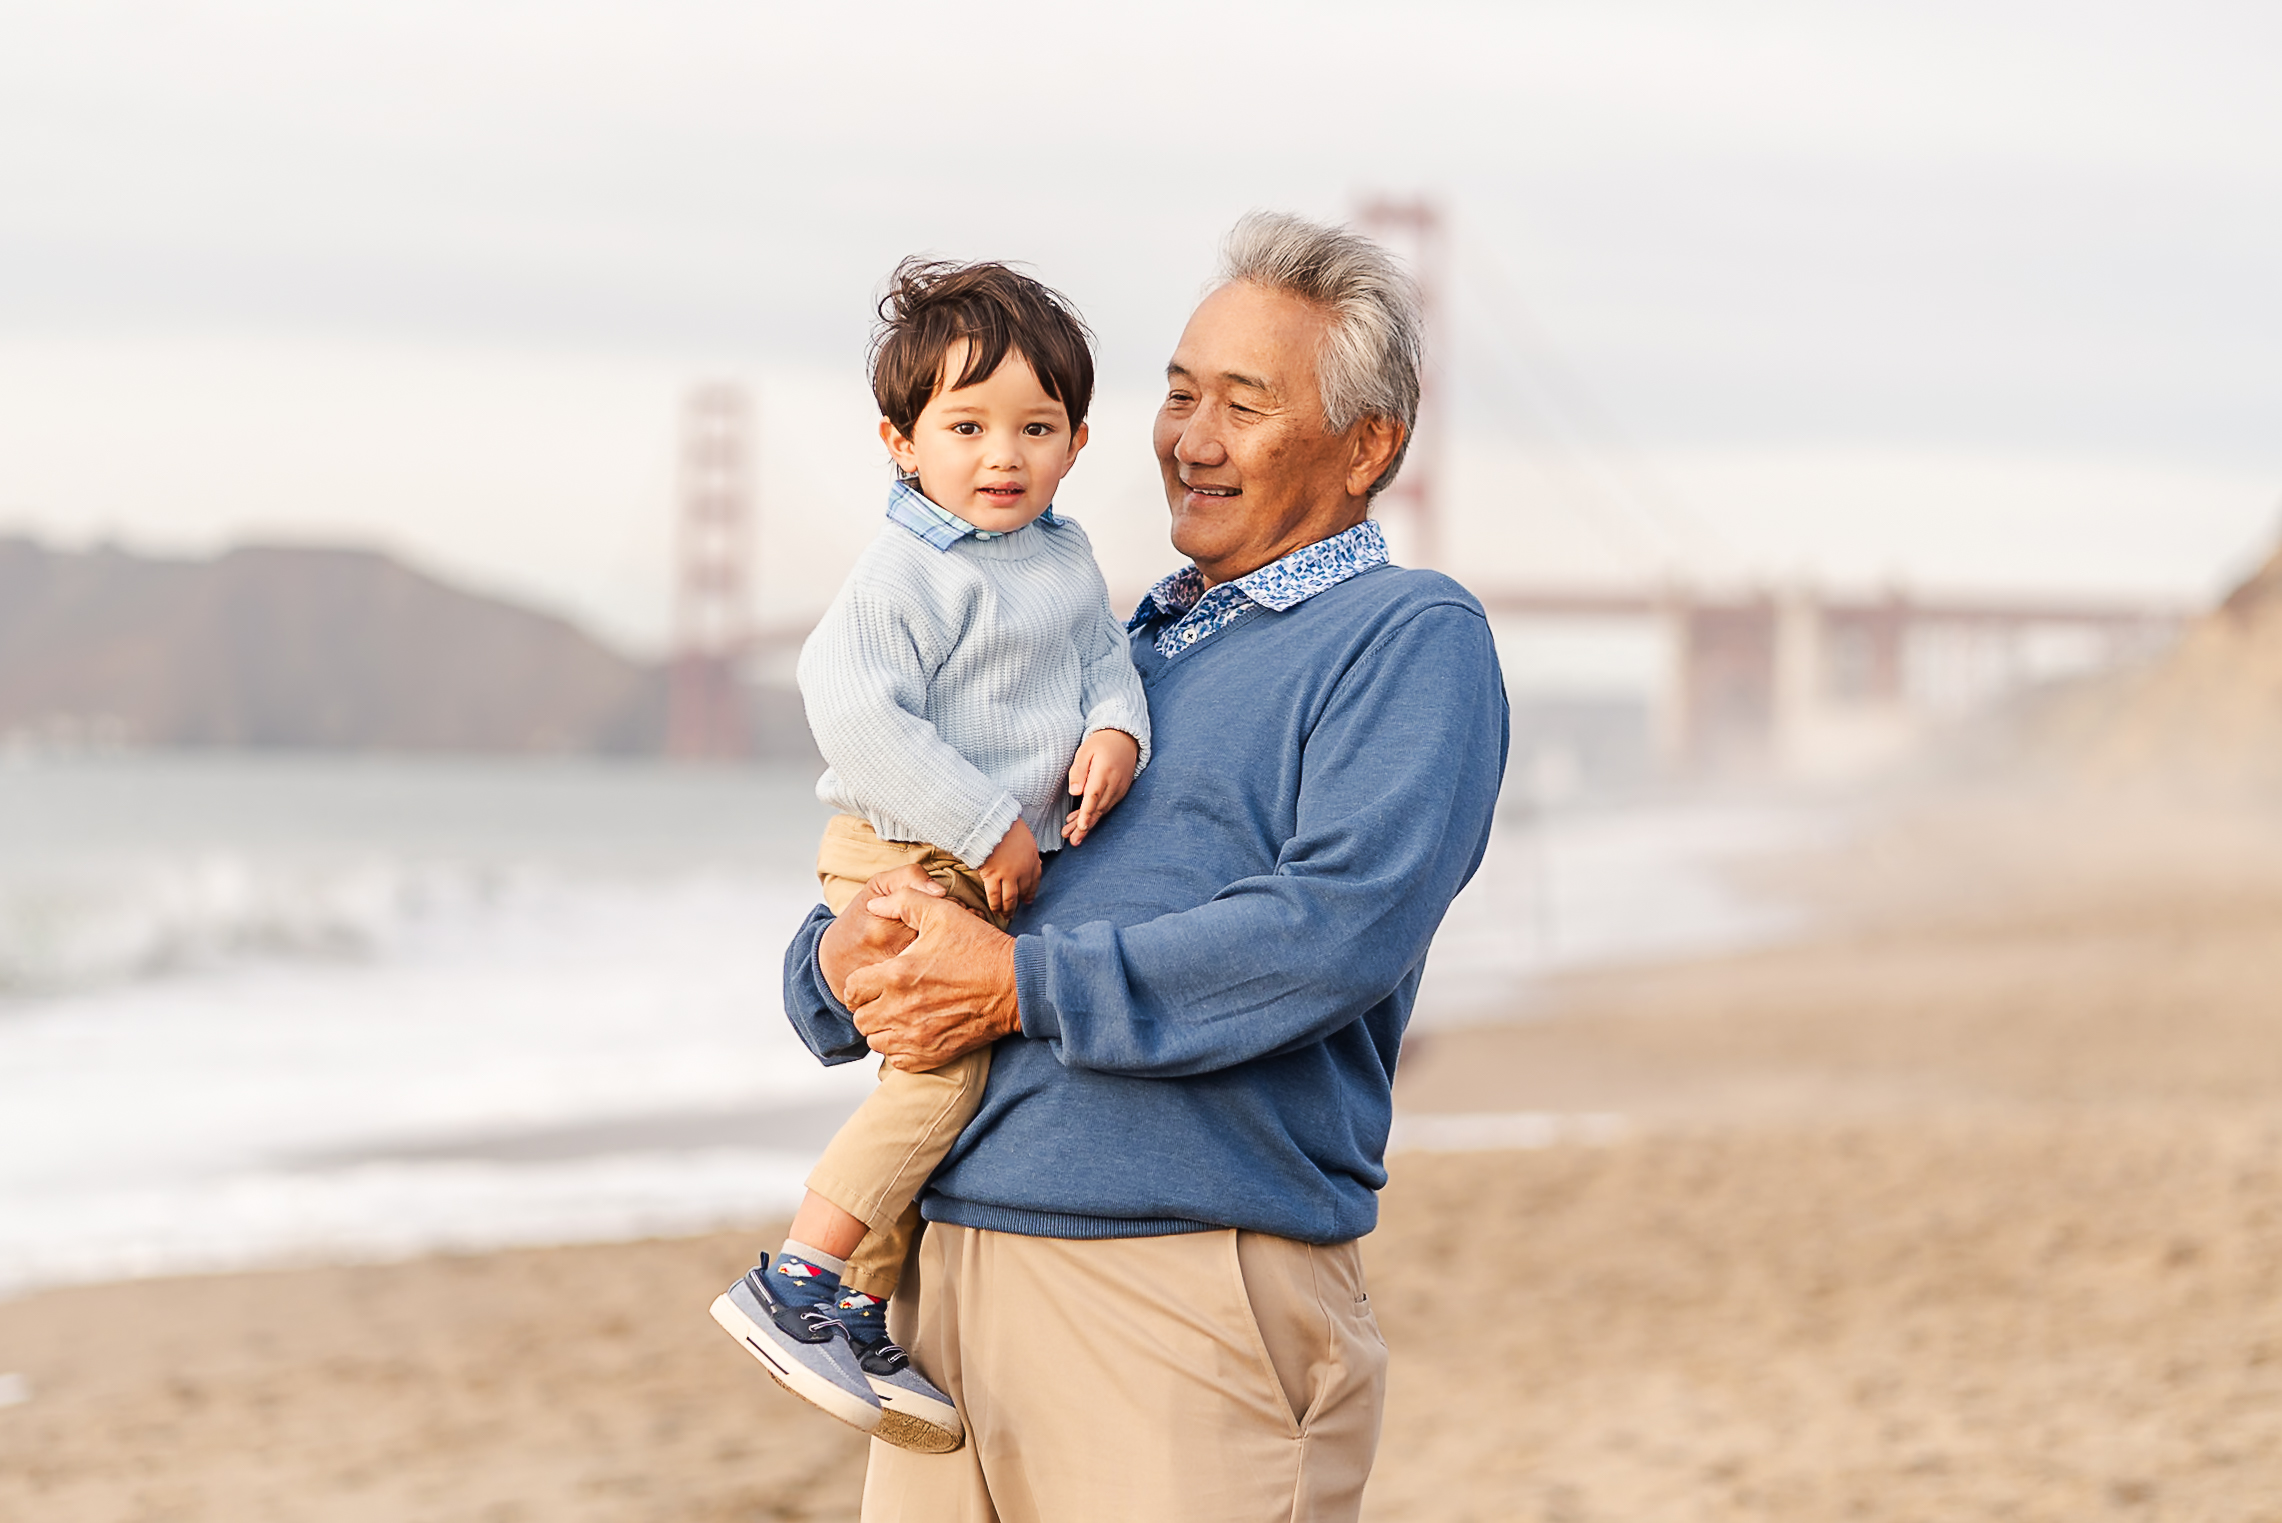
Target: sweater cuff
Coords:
[(1114, 711), (975, 847), (1039, 1021), (1128, 729)]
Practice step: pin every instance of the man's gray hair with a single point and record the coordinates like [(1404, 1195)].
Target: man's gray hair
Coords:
[(1375, 347)]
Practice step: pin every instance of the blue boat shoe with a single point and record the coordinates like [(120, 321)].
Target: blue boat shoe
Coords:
[(800, 1342), (913, 1413)]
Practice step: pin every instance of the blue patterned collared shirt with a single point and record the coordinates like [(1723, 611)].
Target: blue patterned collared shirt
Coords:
[(1194, 613), (939, 526)]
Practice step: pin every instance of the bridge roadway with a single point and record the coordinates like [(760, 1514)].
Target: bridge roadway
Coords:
[(1751, 670)]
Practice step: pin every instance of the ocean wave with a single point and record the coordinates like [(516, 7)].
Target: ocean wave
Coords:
[(388, 1211), (73, 929)]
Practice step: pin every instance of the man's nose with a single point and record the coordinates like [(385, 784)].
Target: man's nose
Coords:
[(1199, 442)]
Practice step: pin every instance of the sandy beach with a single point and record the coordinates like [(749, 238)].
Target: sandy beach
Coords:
[(1969, 1206)]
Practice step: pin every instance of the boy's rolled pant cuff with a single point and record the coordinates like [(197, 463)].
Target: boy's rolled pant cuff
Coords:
[(876, 1265), (867, 1206)]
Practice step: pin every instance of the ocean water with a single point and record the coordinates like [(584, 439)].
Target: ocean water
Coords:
[(260, 1010), (1609, 882)]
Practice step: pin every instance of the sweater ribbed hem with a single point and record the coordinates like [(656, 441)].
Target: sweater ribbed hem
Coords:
[(966, 1213)]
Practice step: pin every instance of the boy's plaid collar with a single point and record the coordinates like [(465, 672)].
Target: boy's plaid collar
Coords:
[(940, 527)]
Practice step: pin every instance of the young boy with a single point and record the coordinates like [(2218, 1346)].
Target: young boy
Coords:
[(969, 670)]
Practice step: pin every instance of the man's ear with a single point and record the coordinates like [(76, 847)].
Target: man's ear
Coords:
[(906, 457), (1376, 440)]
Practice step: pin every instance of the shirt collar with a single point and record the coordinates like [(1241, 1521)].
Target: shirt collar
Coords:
[(1281, 584), (939, 526)]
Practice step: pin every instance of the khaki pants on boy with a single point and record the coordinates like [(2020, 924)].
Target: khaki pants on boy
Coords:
[(877, 1163), (1209, 1377)]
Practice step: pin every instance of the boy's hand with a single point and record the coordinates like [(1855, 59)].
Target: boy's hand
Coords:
[(1102, 772), (1010, 872)]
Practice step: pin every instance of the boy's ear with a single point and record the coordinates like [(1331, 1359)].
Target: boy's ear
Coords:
[(897, 445), (1078, 437)]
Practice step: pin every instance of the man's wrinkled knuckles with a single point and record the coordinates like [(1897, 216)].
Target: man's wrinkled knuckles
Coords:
[(866, 986), (907, 875), (886, 931), (914, 910), (872, 929), (869, 985)]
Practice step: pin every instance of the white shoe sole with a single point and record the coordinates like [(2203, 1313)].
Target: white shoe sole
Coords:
[(911, 1421), (803, 1382)]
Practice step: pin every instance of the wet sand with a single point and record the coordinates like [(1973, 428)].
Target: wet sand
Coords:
[(1969, 1208)]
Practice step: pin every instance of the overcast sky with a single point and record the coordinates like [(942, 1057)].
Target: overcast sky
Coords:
[(1968, 295)]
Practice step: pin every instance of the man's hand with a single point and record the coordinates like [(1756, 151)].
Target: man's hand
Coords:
[(1099, 777), (857, 938), (950, 991), (1010, 872)]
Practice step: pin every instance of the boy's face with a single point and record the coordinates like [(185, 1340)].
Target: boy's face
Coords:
[(993, 452)]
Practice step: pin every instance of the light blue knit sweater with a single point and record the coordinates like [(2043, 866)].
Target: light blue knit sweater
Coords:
[(948, 689)]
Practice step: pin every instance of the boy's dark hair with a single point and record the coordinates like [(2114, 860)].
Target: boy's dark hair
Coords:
[(932, 304)]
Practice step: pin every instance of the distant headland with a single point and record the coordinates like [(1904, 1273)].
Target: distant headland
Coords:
[(312, 648)]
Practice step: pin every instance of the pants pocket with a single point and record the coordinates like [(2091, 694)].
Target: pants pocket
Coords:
[(1273, 1301)]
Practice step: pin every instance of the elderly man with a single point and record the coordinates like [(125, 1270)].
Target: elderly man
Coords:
[(1141, 1280)]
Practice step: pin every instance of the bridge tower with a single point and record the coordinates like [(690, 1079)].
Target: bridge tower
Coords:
[(1414, 228), (705, 713)]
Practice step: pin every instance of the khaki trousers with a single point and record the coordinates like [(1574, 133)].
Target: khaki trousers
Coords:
[(1208, 1377), (879, 1160)]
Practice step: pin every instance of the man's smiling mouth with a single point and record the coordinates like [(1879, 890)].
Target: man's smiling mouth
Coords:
[(1200, 490)]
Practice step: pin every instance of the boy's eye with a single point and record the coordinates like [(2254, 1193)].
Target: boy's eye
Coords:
[(966, 426), (1038, 430)]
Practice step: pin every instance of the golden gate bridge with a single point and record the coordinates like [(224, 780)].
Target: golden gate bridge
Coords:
[(1756, 678)]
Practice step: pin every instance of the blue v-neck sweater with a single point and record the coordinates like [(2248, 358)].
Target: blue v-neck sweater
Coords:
[(1214, 986)]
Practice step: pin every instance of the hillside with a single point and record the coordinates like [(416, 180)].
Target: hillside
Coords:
[(287, 646), (2210, 712)]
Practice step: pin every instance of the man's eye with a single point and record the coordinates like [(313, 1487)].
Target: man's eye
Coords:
[(1240, 407)]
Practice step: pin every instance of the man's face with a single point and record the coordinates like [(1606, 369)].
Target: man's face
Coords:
[(1250, 473)]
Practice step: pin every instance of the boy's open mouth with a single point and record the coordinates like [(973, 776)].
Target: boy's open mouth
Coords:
[(1001, 494)]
